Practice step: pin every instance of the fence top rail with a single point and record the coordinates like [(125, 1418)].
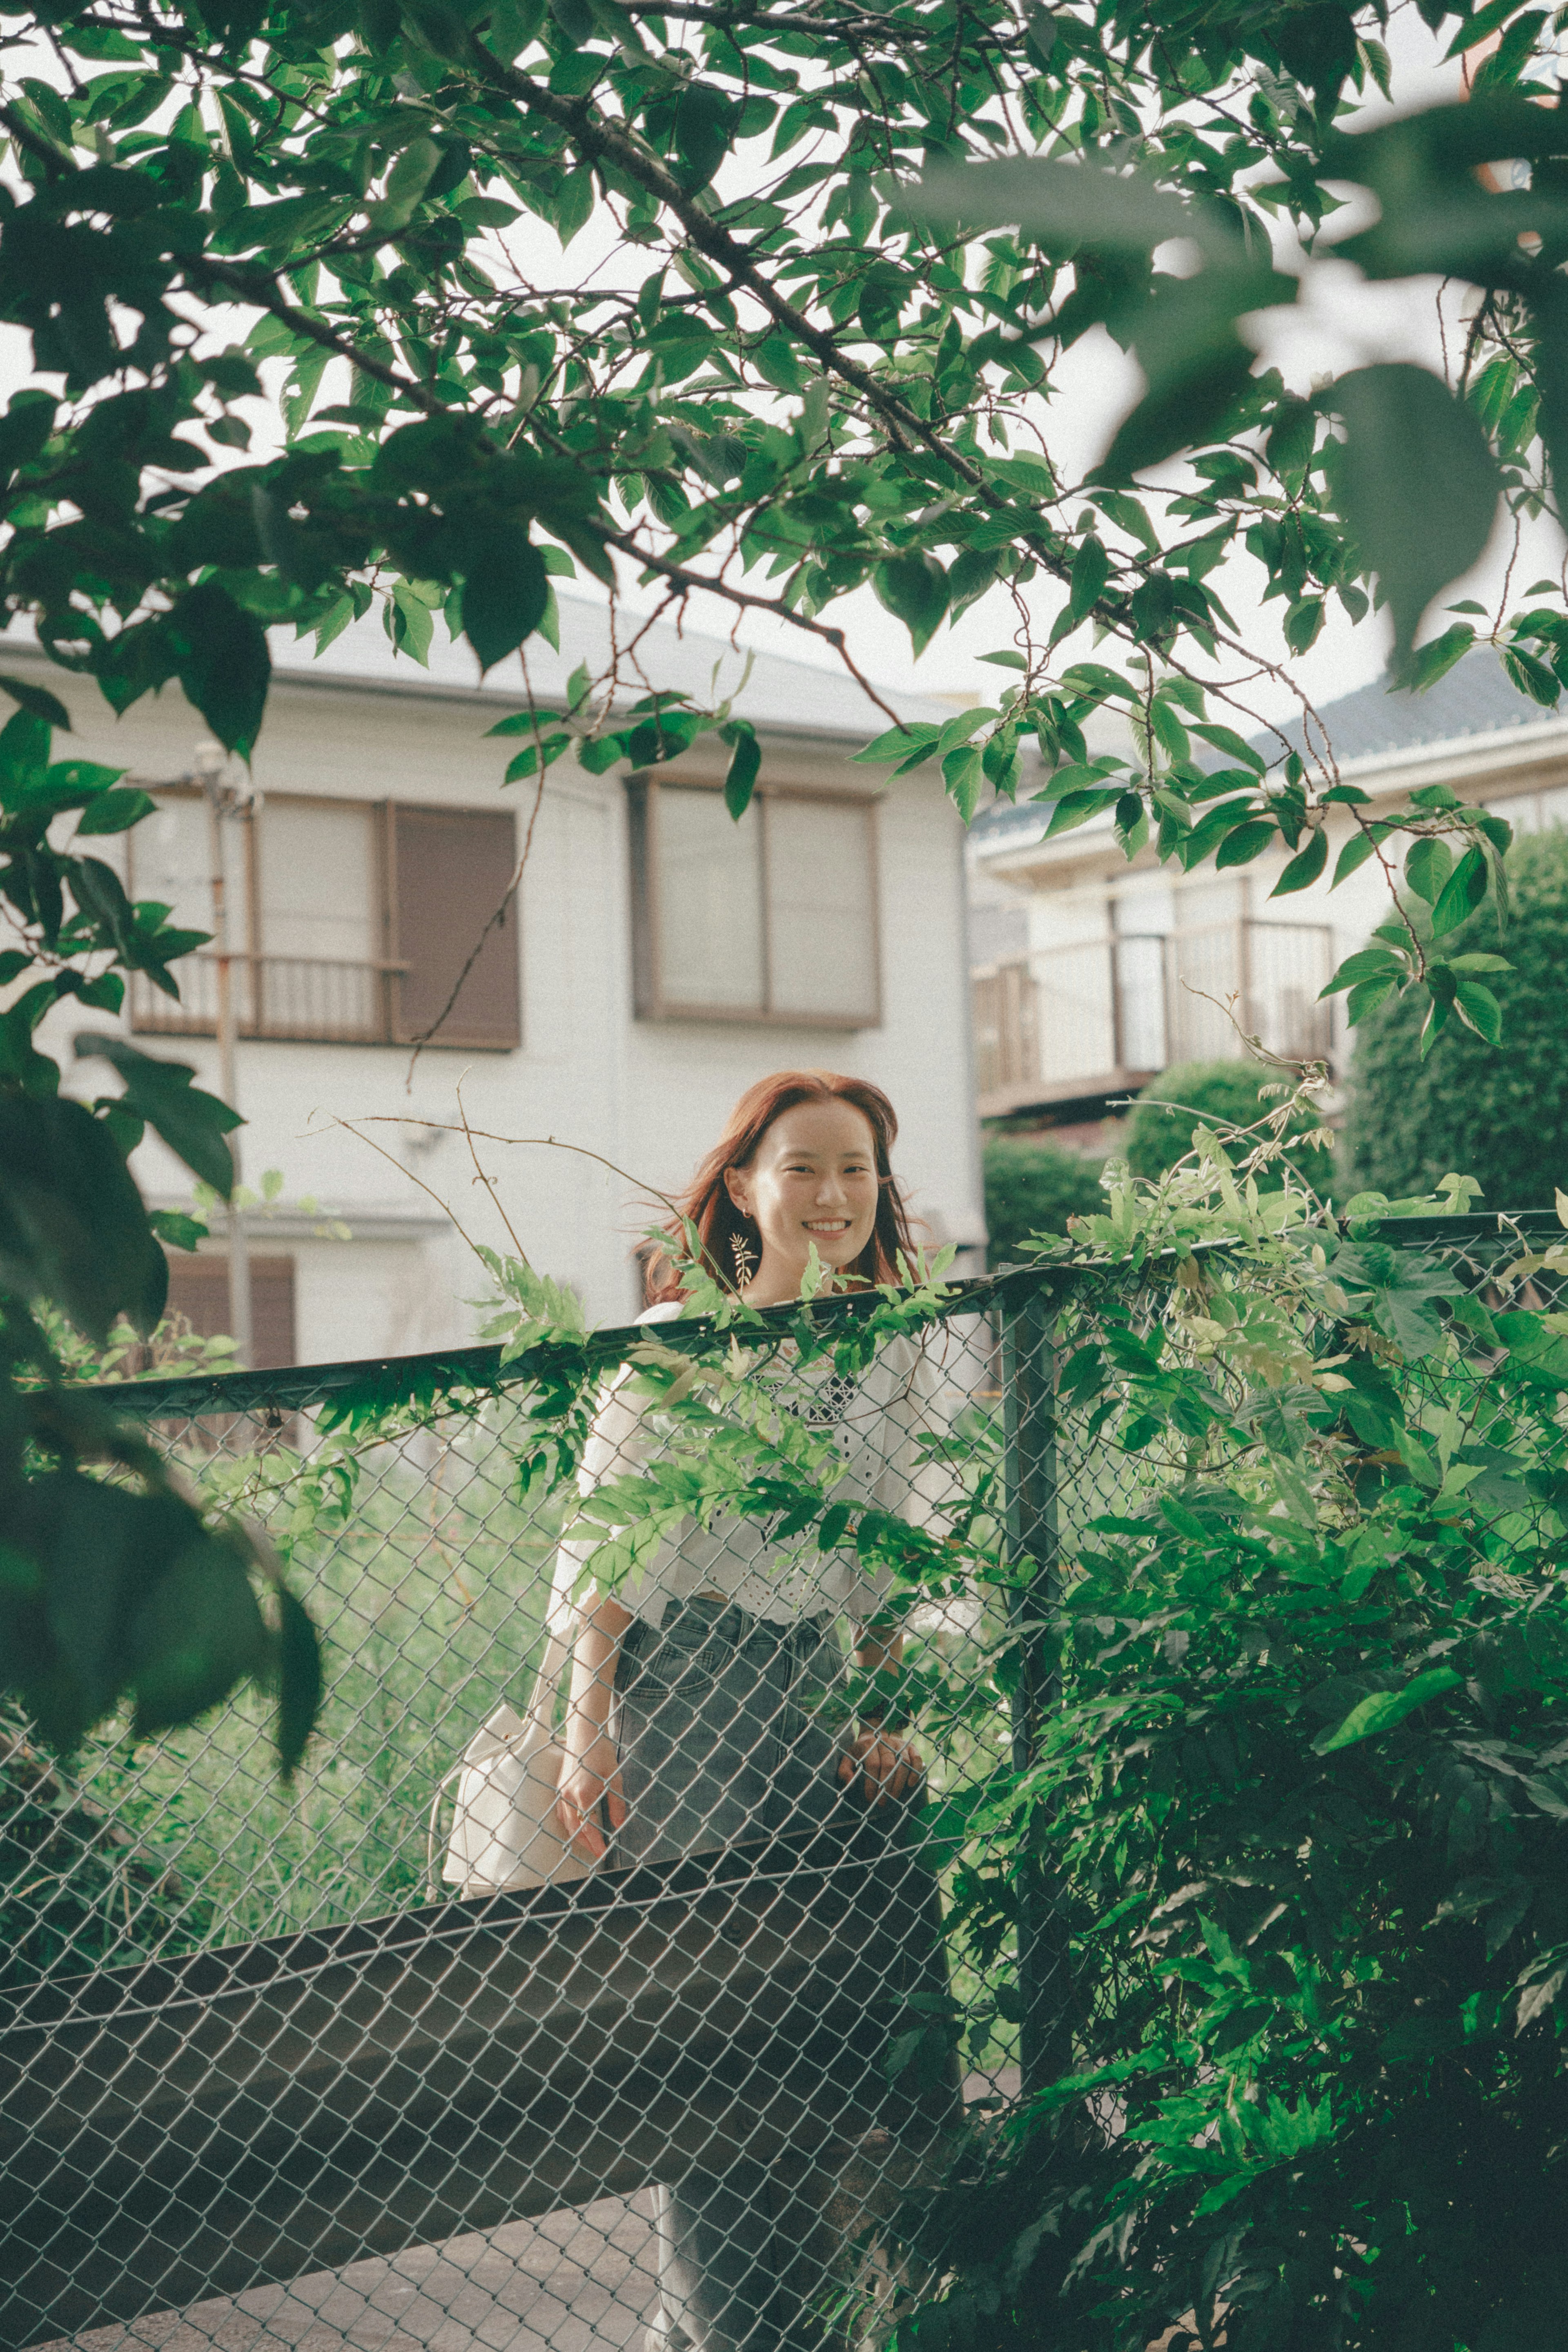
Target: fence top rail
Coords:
[(789, 1862), (401, 1379)]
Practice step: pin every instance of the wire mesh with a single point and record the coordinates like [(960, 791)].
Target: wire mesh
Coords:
[(261, 2066), (268, 2075)]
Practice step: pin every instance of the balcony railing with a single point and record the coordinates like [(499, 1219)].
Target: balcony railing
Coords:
[(1105, 1016), (308, 999)]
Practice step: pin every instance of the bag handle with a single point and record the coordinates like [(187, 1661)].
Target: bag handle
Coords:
[(559, 1627), (538, 1714)]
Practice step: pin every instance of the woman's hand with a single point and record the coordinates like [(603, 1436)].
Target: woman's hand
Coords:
[(587, 1781), (888, 1766)]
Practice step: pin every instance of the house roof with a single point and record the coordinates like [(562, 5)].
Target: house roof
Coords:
[(1476, 701), (778, 693), (1476, 697)]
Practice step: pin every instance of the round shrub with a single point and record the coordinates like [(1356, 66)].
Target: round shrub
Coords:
[(1223, 1094), (1499, 1113), (1033, 1187)]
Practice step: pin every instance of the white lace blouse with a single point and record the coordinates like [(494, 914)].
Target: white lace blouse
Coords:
[(876, 1420)]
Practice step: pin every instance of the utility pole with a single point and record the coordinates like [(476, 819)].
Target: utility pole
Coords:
[(226, 804)]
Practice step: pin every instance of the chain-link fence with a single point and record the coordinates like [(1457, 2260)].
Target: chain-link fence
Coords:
[(275, 2068)]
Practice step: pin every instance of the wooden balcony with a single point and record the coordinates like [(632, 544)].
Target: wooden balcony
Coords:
[(1099, 1019), (307, 999)]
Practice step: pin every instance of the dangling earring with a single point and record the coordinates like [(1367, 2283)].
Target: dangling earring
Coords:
[(740, 1250)]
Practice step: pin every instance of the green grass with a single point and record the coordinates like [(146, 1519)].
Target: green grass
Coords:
[(429, 1589)]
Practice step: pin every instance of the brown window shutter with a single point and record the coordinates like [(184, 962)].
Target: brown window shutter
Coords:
[(450, 869), (199, 1290)]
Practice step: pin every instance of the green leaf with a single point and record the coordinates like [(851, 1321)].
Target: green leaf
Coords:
[(1090, 569), (1246, 842), (964, 774), (406, 184), (1305, 866), (1404, 431), (705, 123), (176, 1229), (1478, 1009), (1532, 676), (902, 743), (1356, 853), (1437, 657), (1234, 746), (1196, 366), (24, 758), (1428, 866), (1381, 1709), (504, 590), (113, 812), (1461, 894), (1366, 963), (1076, 808), (1365, 997), (913, 588), (744, 764)]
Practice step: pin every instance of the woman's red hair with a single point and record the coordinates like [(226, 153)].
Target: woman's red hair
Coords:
[(720, 1225)]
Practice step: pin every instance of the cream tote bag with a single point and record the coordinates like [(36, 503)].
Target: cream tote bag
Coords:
[(504, 1834)]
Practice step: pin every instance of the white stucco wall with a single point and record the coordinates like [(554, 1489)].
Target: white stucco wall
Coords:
[(648, 1096)]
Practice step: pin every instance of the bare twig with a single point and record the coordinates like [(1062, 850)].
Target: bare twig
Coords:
[(445, 1127), (480, 1173), (392, 1160)]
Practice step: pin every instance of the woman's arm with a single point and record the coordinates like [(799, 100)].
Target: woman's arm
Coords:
[(892, 1768), (590, 1770)]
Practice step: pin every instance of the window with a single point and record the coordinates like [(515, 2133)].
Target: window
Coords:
[(199, 1290), (772, 919), (349, 921), (449, 872)]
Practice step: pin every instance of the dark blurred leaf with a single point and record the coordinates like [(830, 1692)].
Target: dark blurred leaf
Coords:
[(193, 1124), (198, 1632), (504, 591), (220, 654), (1063, 204), (38, 700), (1404, 429), (299, 1681), (72, 1227)]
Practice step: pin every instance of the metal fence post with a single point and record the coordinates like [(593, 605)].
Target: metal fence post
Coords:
[(1030, 1479)]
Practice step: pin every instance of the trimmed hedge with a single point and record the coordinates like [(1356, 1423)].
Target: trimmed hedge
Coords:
[(1033, 1187), (1499, 1113), (1223, 1094)]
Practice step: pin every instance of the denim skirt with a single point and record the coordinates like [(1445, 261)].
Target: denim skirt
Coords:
[(726, 1728)]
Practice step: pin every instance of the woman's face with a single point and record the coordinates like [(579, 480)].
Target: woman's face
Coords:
[(813, 1179)]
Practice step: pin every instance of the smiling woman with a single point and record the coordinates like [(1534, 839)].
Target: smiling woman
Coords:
[(707, 1701)]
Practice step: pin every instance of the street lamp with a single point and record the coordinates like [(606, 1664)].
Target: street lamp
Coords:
[(228, 803)]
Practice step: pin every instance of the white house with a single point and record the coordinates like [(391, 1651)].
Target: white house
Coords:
[(1091, 974), (656, 959)]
